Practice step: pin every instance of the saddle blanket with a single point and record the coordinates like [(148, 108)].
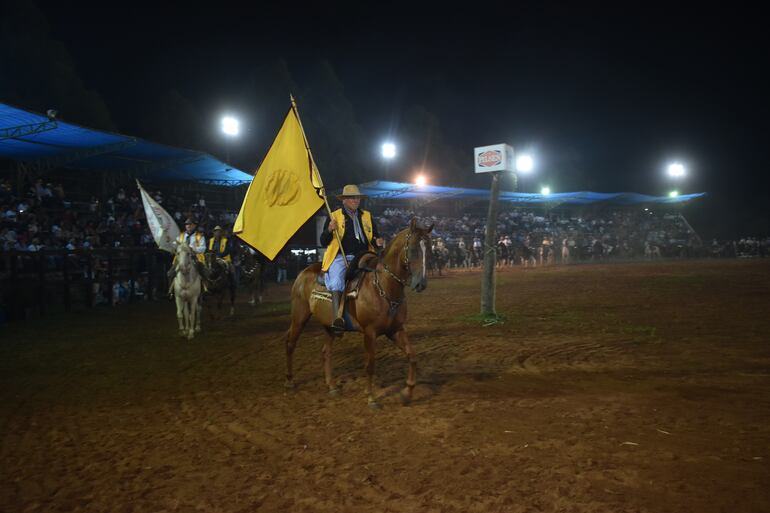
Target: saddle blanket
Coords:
[(325, 295), (322, 295)]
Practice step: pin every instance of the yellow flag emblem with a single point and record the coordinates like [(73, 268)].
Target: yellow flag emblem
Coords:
[(282, 196)]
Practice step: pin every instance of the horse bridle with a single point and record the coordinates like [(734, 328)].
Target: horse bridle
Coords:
[(394, 304), (188, 268), (406, 263)]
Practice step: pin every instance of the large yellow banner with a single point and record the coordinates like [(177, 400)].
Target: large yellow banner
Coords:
[(282, 196)]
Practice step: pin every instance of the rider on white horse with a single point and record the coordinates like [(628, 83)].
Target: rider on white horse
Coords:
[(197, 242)]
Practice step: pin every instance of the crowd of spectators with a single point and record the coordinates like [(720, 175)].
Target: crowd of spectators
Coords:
[(43, 217), (747, 247), (602, 233)]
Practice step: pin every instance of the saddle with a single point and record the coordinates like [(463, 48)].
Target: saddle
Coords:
[(360, 265)]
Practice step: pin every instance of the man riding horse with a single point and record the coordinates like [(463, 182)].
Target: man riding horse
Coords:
[(222, 249), (197, 242), (358, 233)]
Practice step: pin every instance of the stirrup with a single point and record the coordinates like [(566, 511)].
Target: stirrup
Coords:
[(338, 325)]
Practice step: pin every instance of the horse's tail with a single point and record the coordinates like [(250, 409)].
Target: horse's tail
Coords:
[(300, 309)]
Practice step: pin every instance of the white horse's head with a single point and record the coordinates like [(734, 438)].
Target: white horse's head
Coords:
[(184, 256)]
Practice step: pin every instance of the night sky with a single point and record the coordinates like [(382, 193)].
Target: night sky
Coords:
[(604, 99)]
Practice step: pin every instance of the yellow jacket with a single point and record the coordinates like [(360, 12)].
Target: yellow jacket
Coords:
[(334, 246), (198, 245), (222, 247)]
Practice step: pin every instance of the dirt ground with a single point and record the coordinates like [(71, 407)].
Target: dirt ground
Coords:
[(608, 388)]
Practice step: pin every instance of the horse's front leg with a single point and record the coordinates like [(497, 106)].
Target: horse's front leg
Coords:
[(402, 341), (231, 291), (197, 308), (369, 346), (180, 313)]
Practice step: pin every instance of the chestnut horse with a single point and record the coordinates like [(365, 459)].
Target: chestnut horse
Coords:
[(378, 309)]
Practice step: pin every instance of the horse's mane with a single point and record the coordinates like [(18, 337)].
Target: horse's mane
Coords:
[(389, 246)]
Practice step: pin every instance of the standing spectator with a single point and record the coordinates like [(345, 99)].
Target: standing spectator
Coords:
[(282, 265)]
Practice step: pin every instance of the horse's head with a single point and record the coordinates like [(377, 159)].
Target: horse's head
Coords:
[(183, 256), (417, 246), (208, 259)]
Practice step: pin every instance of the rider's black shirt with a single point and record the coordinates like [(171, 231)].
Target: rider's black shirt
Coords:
[(350, 244)]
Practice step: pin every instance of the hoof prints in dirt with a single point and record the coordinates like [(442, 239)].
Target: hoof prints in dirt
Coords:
[(589, 356)]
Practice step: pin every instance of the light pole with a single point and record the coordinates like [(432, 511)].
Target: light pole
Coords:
[(231, 127)]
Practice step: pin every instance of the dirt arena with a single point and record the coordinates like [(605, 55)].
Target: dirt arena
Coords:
[(608, 388)]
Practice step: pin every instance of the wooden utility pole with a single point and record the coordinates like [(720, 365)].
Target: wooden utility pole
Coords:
[(494, 159), (490, 251)]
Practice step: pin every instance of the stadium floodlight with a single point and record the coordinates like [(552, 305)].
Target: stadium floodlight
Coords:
[(673, 194), (676, 170), (524, 163), (545, 191), (420, 180), (388, 150), (231, 126)]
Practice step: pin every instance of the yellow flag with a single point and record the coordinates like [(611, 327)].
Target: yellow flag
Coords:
[(281, 197)]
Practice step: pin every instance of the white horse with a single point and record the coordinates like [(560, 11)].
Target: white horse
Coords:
[(187, 291)]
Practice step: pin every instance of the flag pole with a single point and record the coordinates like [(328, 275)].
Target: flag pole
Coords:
[(317, 175)]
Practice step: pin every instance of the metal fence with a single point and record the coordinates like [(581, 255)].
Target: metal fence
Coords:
[(60, 280)]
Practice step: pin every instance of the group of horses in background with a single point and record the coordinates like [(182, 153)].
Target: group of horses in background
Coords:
[(212, 282), (458, 254)]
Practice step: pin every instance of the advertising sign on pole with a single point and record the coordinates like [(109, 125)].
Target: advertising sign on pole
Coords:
[(496, 157)]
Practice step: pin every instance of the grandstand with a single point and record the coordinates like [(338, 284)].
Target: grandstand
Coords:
[(72, 226)]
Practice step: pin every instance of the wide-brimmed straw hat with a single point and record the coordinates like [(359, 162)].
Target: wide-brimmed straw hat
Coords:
[(351, 191), (217, 227)]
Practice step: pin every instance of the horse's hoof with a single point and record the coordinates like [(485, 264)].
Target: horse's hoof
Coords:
[(289, 385), (406, 398), (232, 312), (334, 392), (190, 336), (374, 405), (198, 329)]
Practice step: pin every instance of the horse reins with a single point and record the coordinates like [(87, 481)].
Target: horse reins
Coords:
[(394, 304)]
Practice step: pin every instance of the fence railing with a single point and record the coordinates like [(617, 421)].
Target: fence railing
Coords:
[(61, 280)]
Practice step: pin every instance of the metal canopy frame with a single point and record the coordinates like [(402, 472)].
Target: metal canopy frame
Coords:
[(31, 141), (25, 130)]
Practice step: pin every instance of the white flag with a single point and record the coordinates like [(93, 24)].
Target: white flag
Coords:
[(163, 227)]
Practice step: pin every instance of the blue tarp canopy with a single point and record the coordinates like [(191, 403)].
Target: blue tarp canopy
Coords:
[(384, 190), (37, 140)]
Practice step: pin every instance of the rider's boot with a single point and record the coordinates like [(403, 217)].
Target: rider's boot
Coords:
[(338, 308)]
